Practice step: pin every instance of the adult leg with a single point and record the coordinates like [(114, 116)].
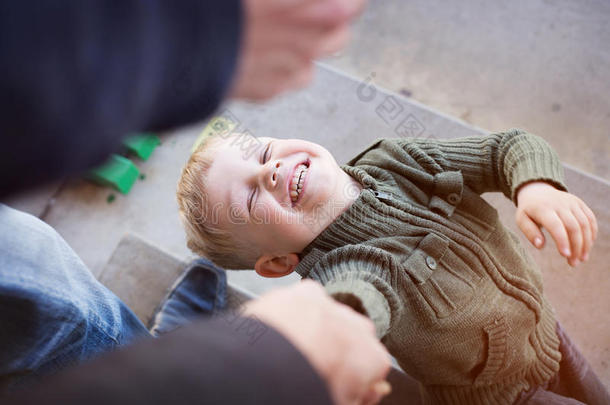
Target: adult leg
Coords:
[(200, 291), (53, 312)]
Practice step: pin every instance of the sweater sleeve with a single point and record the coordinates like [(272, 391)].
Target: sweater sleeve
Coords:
[(76, 77), (363, 297), (360, 277), (497, 162)]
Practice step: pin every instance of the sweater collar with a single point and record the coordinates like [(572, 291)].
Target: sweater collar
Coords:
[(329, 238)]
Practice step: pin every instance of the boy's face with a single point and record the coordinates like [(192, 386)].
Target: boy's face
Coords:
[(278, 196)]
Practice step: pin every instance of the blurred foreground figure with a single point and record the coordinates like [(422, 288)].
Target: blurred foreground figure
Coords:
[(75, 77)]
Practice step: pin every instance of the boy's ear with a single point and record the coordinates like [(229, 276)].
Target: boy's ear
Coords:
[(276, 266)]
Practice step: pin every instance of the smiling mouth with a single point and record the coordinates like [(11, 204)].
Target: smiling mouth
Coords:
[(296, 188)]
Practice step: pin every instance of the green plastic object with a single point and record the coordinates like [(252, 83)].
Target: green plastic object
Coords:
[(118, 172), (142, 145)]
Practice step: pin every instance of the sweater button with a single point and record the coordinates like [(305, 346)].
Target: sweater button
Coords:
[(431, 262), (453, 198)]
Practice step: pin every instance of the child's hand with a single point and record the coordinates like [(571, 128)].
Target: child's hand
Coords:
[(567, 218)]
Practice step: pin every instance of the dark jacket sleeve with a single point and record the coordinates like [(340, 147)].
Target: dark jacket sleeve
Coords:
[(76, 76), (223, 361)]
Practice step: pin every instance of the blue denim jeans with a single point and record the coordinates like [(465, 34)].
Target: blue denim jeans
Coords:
[(53, 312), (200, 291)]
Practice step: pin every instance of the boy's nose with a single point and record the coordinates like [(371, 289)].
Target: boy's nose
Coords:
[(273, 174)]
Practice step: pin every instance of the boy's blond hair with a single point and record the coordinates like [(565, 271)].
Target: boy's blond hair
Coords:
[(203, 233)]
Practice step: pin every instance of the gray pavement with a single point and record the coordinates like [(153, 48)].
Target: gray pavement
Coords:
[(541, 65)]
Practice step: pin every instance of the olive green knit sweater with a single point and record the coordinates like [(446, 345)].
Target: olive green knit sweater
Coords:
[(453, 295)]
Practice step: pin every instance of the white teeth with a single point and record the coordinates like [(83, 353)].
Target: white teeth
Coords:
[(296, 185)]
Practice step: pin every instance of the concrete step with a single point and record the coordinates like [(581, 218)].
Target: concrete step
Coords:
[(539, 64), (141, 275)]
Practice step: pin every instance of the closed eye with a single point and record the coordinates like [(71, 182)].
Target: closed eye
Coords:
[(250, 199), (264, 159), (266, 153)]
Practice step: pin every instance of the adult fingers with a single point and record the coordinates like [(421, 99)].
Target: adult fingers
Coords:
[(295, 80), (370, 366), (374, 386), (364, 363), (334, 41), (312, 42), (530, 229), (574, 234), (280, 71), (376, 393), (327, 13), (302, 78), (585, 227)]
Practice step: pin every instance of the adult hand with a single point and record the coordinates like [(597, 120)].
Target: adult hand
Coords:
[(339, 343), (568, 219), (282, 37)]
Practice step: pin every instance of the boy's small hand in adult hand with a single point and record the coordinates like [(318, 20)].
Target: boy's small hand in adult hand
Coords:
[(566, 217), (281, 38), (338, 342)]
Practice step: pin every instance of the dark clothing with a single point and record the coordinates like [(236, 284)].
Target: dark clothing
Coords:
[(77, 76), (224, 361)]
